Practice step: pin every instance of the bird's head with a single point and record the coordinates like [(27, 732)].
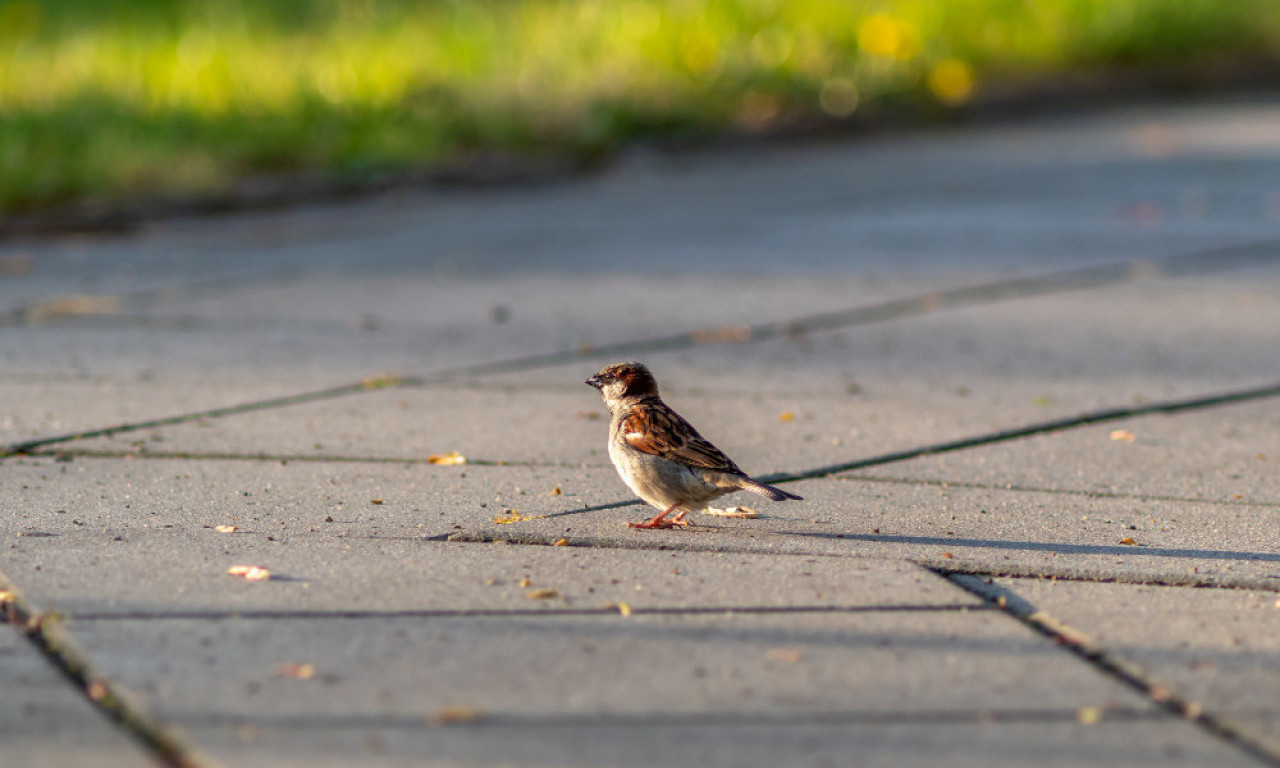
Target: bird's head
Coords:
[(624, 381)]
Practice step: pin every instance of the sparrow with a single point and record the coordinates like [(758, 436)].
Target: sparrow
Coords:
[(659, 455)]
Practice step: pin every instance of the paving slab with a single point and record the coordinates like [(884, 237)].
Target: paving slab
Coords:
[(122, 497), (1130, 742), (1217, 648), (555, 681), (959, 528), (340, 575), (46, 723)]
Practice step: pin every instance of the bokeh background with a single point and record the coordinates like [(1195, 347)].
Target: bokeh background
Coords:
[(101, 100)]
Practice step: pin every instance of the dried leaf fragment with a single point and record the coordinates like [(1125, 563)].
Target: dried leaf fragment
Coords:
[(555, 491), (561, 543), (511, 516), (727, 334), (249, 572), (296, 671), (1122, 436), (746, 512), (375, 501), (452, 457), (623, 608), (947, 556), (450, 715), (542, 594), (526, 583), (226, 528), (788, 655), (786, 416), (1128, 541), (379, 382)]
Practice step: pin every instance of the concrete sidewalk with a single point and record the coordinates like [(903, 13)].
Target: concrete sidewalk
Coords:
[(1025, 377)]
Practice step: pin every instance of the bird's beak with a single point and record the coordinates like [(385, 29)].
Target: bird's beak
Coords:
[(595, 381)]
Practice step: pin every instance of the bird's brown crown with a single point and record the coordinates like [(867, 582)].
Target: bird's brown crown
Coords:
[(630, 380)]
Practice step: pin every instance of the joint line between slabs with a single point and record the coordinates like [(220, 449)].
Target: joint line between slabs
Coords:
[(1131, 675), (43, 629), (1172, 581), (1200, 262), (1056, 425), (522, 613)]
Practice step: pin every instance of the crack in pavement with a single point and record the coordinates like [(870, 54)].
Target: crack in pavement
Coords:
[(44, 630), (1197, 263), (1113, 666)]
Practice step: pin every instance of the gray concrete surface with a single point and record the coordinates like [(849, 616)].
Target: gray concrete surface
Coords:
[(428, 616), (44, 721)]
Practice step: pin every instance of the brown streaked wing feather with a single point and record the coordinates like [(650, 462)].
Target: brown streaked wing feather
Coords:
[(663, 432)]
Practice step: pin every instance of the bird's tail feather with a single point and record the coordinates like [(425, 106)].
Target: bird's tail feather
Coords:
[(768, 491)]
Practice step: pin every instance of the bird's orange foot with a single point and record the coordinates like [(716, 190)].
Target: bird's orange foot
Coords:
[(661, 523)]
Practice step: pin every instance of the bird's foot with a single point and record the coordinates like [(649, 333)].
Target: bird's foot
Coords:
[(661, 522)]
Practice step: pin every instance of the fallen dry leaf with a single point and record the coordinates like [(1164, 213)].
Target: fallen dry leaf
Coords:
[(526, 583), (788, 655), (226, 528), (379, 382), (623, 609), (296, 671), (512, 516), (1128, 541), (250, 572), (746, 512), (555, 491), (452, 457), (71, 306), (561, 543), (450, 715), (723, 335), (542, 594), (786, 416), (1122, 435), (375, 501), (947, 556)]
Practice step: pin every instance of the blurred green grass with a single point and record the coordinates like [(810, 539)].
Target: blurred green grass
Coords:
[(102, 99)]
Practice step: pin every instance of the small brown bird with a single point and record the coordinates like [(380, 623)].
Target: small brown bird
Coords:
[(659, 455)]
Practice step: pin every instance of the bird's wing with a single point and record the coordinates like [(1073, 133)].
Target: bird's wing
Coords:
[(660, 431)]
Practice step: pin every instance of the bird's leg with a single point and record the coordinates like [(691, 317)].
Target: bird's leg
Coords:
[(661, 522)]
